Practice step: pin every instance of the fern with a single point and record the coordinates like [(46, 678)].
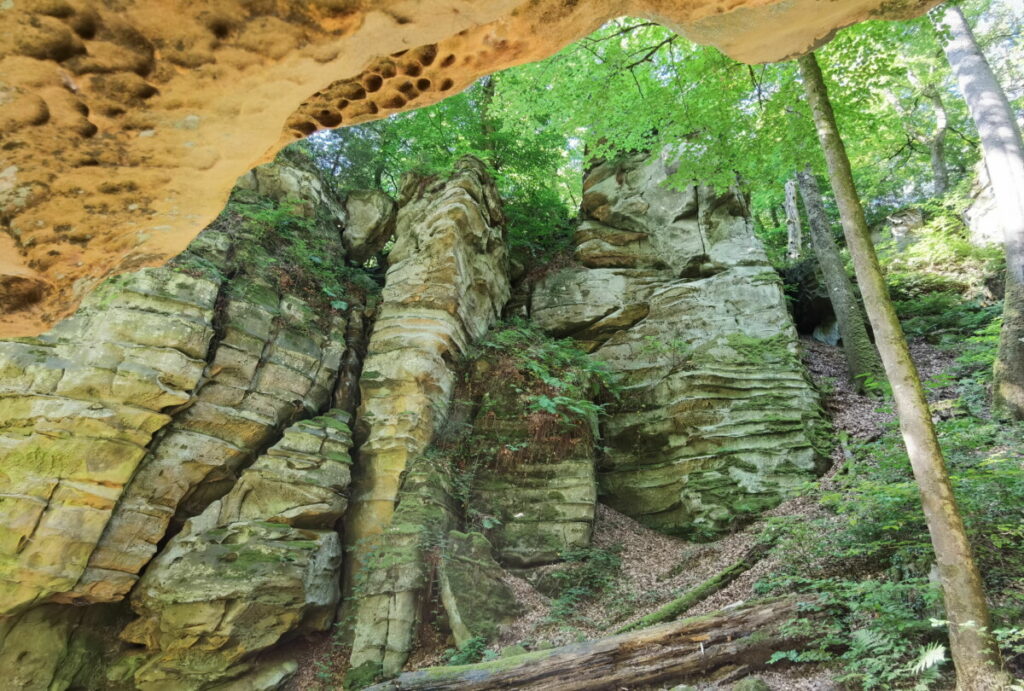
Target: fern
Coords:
[(930, 656)]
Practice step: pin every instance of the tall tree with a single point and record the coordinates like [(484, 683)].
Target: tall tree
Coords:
[(1003, 152), (974, 650), (795, 231), (861, 355)]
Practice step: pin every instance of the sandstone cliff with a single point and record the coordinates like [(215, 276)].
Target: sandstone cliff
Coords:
[(189, 452)]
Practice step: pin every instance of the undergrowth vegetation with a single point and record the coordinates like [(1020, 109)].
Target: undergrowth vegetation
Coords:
[(868, 559)]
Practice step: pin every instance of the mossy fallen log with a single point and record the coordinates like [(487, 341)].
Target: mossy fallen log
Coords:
[(700, 647), (696, 595)]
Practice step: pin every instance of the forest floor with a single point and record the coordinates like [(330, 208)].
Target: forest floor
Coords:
[(655, 569)]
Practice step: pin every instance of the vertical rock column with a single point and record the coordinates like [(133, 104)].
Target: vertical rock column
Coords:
[(447, 283)]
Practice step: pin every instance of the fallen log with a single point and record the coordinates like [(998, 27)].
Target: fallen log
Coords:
[(678, 607), (742, 637)]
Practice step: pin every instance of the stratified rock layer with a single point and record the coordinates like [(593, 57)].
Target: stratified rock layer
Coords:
[(79, 408), (533, 473), (717, 420), (149, 399), (126, 124), (446, 285), (393, 578), (256, 565)]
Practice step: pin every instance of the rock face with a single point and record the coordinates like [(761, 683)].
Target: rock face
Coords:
[(446, 285), (148, 401), (390, 585), (79, 409), (717, 420), (371, 222), (474, 596), (125, 126), (258, 564), (535, 475)]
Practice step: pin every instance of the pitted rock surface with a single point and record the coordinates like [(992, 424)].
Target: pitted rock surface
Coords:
[(125, 125)]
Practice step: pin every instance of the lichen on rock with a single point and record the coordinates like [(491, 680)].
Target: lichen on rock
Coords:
[(261, 563), (717, 420)]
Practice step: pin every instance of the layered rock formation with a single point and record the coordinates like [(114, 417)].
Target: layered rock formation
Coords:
[(260, 563), (717, 420), (181, 444), (446, 284), (142, 410), (167, 380), (125, 126), (535, 475)]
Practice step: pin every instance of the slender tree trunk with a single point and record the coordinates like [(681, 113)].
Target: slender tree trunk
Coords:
[(1003, 151), (937, 144), (795, 243), (773, 211), (861, 356), (978, 664)]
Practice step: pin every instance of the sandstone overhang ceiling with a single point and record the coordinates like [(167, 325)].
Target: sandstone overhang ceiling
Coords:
[(125, 123)]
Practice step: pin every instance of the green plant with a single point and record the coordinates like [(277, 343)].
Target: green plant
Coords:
[(471, 651), (590, 572)]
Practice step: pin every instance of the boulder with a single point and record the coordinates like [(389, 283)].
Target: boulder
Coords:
[(259, 564), (475, 598)]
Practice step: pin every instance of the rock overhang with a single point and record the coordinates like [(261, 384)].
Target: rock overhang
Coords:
[(125, 127)]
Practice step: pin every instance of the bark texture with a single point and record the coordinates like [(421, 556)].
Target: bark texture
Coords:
[(861, 355), (1003, 151), (937, 143), (737, 641), (974, 651), (793, 227)]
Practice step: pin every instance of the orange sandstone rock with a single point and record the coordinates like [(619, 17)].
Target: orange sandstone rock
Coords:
[(124, 126)]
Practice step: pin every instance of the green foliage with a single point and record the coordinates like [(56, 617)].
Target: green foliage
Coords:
[(871, 627), (471, 651), (936, 314), (301, 250), (572, 378), (871, 553), (590, 572), (537, 181)]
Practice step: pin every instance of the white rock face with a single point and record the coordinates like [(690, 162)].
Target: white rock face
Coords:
[(717, 420), (371, 223)]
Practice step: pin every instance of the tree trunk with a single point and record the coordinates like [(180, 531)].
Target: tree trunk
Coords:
[(937, 144), (795, 243), (738, 641), (1003, 151), (974, 651), (861, 355)]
